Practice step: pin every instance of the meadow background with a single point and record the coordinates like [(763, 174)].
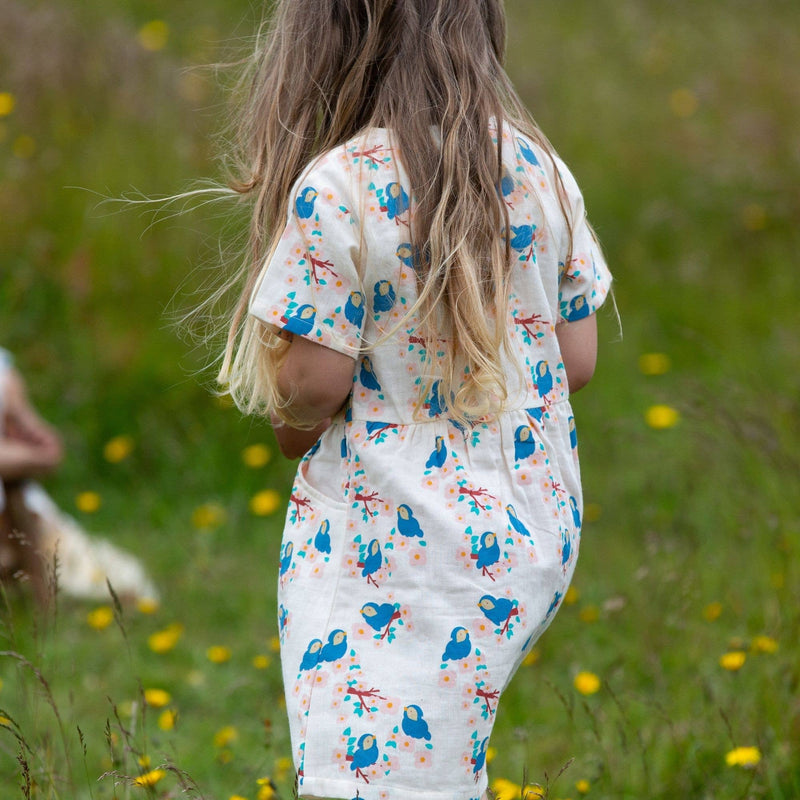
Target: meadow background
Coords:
[(680, 644)]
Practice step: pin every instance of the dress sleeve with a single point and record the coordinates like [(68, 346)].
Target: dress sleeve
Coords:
[(310, 285), (584, 282)]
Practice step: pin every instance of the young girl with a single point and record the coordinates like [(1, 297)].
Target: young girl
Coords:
[(419, 307)]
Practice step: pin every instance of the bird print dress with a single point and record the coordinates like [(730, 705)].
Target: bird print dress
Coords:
[(421, 558)]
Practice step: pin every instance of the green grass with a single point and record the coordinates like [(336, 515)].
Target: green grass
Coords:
[(679, 120)]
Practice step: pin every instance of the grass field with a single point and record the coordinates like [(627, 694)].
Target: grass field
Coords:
[(681, 640)]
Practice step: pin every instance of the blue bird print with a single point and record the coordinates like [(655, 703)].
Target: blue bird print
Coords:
[(488, 553), (380, 617), (385, 296), (322, 541), (566, 548), (335, 647), (543, 378), (304, 204), (367, 375), (407, 523), (435, 404), (536, 414), (515, 521), (365, 755), (373, 562), (523, 239), (408, 254), (414, 726), (524, 443), (480, 758), (301, 320), (554, 604), (527, 152), (459, 646), (573, 433), (396, 201), (576, 512), (286, 557), (439, 454), (578, 309), (311, 655), (354, 309), (498, 610), (507, 186)]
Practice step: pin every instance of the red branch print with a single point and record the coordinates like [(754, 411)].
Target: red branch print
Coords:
[(366, 499), (376, 433), (475, 494), (362, 693), (371, 154), (317, 263), (536, 319), (487, 696), (299, 502)]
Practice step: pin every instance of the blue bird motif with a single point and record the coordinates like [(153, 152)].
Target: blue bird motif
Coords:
[(573, 433), (380, 617), (414, 726), (435, 405), (527, 152), (286, 558), (373, 561), (544, 378), (385, 296), (335, 647), (524, 443), (301, 320), (578, 309), (459, 646), (576, 512), (498, 610), (554, 604), (480, 757), (311, 655), (396, 201), (439, 454), (304, 204), (488, 553), (367, 375), (407, 523), (365, 755), (515, 522), (354, 309), (283, 617), (408, 255), (322, 541), (566, 548), (536, 414), (523, 240), (507, 186)]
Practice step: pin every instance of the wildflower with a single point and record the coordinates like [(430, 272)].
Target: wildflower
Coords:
[(266, 789), (283, 765), (5, 722), (764, 644), (157, 698), (712, 611), (582, 786), (264, 503), (654, 363), (504, 789), (208, 515), (88, 502), (491, 752), (7, 103), (143, 761), (149, 778), (275, 644), (147, 605), (571, 597), (100, 618), (532, 657), (587, 683), (661, 417), (589, 613), (733, 660), (154, 35), (236, 797), (533, 792), (683, 103), (256, 455), (225, 736), (218, 654), (746, 757), (118, 449), (163, 641), (167, 719), (261, 661)]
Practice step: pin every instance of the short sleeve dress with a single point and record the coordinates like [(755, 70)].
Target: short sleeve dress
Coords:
[(421, 559)]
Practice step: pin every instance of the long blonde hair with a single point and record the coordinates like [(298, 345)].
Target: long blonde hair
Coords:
[(326, 70)]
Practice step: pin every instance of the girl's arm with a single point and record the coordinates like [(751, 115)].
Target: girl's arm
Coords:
[(318, 381), (578, 343)]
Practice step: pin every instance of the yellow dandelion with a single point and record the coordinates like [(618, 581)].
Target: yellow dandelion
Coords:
[(165, 640), (88, 502), (683, 102), (572, 596), (154, 35), (266, 789), (654, 363), (208, 515), (100, 617), (236, 797), (261, 661), (264, 503), (157, 698), (504, 789), (491, 752), (275, 644), (143, 761), (283, 765), (764, 644), (533, 792), (746, 757), (218, 654), (118, 449), (147, 605), (167, 719), (733, 661), (149, 778), (582, 786), (754, 217), (660, 417), (589, 613), (5, 722), (225, 736), (532, 657), (712, 611), (587, 683), (7, 103), (24, 146), (256, 456)]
